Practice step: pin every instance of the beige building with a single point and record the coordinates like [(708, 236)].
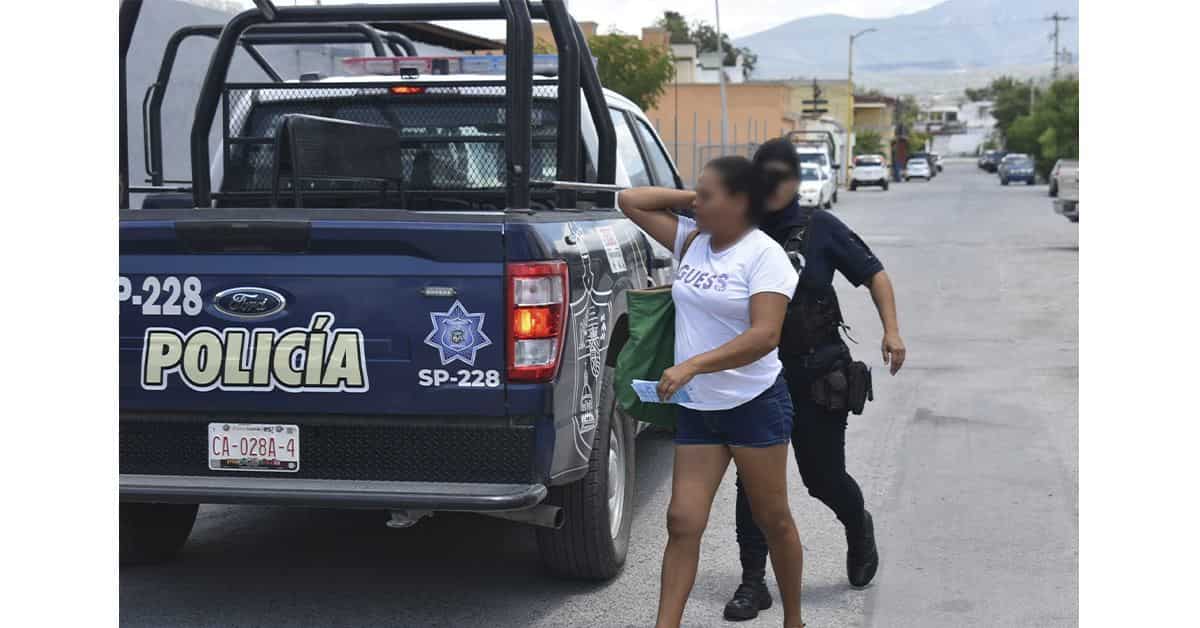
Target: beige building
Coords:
[(688, 118), (877, 114)]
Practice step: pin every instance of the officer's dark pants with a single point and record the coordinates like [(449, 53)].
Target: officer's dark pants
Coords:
[(819, 442)]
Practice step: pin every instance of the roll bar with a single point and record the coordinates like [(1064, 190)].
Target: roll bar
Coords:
[(569, 39), (263, 35), (127, 16), (568, 108), (518, 67), (518, 101)]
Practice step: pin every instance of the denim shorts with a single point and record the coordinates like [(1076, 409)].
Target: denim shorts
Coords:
[(763, 421)]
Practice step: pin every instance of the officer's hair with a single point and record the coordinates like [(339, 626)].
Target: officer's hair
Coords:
[(778, 150), (739, 176)]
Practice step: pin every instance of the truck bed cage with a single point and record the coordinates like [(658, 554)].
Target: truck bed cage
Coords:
[(576, 73), (382, 42)]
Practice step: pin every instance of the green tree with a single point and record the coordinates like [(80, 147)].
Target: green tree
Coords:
[(1051, 131), (906, 111), (638, 72), (917, 141), (674, 22), (868, 143), (704, 35), (1010, 99)]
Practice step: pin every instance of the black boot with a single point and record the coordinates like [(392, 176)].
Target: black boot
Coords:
[(750, 597), (862, 557)]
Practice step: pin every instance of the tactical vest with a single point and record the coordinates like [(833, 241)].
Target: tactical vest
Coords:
[(813, 316)]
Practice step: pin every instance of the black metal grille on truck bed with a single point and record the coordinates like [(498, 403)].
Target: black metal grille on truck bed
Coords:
[(453, 134), (344, 448)]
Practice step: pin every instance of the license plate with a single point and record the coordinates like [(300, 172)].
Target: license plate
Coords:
[(253, 447)]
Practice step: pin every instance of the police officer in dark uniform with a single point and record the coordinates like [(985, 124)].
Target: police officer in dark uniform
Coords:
[(825, 384)]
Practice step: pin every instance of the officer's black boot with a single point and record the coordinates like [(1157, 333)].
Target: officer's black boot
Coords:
[(751, 595), (862, 557)]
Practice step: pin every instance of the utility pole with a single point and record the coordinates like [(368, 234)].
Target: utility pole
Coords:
[(1057, 19), (850, 102), (721, 75)]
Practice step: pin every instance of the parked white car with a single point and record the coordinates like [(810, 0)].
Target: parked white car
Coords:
[(1066, 203), (1061, 167), (917, 168), (816, 188), (869, 170), (817, 153)]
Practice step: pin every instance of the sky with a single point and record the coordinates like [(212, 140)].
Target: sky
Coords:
[(738, 17)]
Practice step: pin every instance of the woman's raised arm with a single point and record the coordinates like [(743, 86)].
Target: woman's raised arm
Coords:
[(646, 207)]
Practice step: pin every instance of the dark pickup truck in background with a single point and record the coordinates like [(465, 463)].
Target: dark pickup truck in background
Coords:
[(394, 291)]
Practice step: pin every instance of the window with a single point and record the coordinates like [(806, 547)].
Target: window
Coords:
[(660, 164), (628, 152)]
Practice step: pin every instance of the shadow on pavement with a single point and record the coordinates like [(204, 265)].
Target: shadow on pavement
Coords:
[(262, 565)]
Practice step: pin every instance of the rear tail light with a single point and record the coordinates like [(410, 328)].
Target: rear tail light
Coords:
[(537, 301)]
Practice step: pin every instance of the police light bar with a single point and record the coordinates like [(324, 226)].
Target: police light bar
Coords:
[(545, 64)]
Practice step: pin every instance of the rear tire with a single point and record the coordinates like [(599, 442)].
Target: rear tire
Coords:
[(885, 186), (591, 545), (1003, 181), (153, 533), (853, 187)]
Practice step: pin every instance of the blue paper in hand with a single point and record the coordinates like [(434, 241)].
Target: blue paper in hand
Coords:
[(647, 391)]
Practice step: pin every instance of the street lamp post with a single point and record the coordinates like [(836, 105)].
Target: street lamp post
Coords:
[(850, 102), (721, 77)]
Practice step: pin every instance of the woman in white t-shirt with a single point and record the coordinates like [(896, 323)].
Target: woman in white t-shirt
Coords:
[(731, 291)]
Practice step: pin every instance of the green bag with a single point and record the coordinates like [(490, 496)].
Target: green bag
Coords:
[(648, 352)]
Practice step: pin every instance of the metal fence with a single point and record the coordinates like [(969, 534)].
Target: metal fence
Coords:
[(692, 143)]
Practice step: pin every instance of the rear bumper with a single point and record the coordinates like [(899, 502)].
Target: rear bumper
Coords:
[(477, 464), (1067, 208), (330, 493)]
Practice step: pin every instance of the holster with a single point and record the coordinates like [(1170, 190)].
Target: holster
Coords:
[(845, 388)]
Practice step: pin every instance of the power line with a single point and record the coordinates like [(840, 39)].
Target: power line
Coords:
[(1057, 19)]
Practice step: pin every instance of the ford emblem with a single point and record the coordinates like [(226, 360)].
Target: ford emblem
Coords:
[(248, 302)]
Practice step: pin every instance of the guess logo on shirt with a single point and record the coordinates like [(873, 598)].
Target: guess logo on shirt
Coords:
[(702, 280)]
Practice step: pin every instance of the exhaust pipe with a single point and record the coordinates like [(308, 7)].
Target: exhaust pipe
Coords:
[(541, 515)]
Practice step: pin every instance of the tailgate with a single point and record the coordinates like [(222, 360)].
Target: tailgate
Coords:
[(233, 315)]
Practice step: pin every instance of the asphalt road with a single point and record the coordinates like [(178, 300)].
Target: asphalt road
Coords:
[(968, 460)]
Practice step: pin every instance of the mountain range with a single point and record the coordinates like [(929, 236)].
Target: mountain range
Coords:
[(955, 36)]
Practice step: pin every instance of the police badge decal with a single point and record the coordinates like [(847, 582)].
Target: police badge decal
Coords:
[(457, 334)]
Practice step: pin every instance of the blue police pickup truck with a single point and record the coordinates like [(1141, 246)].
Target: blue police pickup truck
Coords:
[(400, 289)]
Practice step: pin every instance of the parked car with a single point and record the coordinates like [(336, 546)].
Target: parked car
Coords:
[(869, 170), (370, 303), (1067, 201), (991, 160), (1017, 167), (929, 159), (917, 168), (820, 153), (1056, 172), (816, 187)]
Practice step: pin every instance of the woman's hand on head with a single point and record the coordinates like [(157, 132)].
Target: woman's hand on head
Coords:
[(646, 207), (675, 378)]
